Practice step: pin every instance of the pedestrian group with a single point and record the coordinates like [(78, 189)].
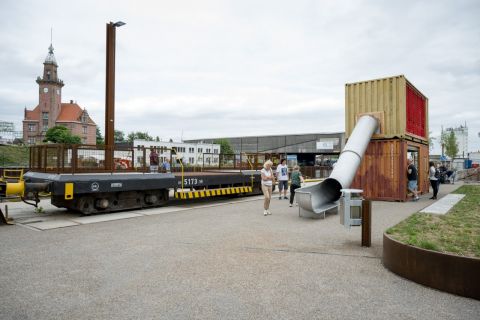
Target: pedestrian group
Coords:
[(283, 176)]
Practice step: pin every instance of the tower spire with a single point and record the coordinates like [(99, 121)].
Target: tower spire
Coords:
[(50, 57)]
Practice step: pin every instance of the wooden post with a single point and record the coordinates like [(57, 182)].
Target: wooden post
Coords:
[(366, 223)]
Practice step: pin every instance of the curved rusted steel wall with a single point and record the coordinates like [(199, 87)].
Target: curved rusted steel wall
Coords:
[(445, 272)]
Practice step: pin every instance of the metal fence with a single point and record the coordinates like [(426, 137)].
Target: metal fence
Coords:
[(74, 158), (65, 158), (242, 161), (316, 172)]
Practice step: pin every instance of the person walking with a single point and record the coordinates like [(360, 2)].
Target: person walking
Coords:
[(153, 161), (267, 185), (295, 182), (412, 179), (433, 179), (282, 178)]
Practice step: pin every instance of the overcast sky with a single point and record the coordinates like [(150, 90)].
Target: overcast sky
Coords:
[(235, 68)]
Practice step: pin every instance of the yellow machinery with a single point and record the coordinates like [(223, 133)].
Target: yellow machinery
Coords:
[(19, 187)]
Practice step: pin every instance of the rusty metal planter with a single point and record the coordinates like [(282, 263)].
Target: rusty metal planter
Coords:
[(382, 174), (446, 272)]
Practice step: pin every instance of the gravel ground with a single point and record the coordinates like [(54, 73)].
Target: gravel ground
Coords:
[(218, 262)]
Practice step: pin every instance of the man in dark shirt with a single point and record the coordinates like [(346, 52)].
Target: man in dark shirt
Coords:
[(412, 179)]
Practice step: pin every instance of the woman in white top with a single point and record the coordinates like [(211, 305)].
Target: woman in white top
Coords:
[(433, 180), (267, 185)]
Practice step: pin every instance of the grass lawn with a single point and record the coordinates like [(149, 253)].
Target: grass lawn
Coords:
[(457, 232), (14, 156)]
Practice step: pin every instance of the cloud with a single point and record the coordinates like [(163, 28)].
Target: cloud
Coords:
[(225, 68)]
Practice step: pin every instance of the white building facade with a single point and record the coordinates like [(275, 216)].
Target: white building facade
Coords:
[(189, 153)]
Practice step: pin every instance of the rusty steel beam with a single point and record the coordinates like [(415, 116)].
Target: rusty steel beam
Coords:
[(110, 86), (366, 223)]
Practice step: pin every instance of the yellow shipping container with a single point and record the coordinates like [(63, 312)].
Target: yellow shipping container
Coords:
[(401, 108)]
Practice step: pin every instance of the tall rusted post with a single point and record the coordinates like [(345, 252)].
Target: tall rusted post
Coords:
[(366, 223), (110, 91), (110, 87)]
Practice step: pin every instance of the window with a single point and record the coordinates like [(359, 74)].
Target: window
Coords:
[(192, 160), (200, 150), (84, 140), (215, 151), (208, 150), (84, 129), (31, 127), (191, 150), (45, 127), (45, 116), (215, 160), (31, 139), (48, 74), (85, 119)]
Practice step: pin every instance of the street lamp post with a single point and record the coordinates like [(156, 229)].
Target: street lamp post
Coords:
[(110, 84)]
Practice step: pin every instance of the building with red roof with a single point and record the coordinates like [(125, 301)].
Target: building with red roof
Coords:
[(52, 112)]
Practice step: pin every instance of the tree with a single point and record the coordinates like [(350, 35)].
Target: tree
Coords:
[(157, 139), (225, 147), (99, 138), (171, 140), (53, 134), (67, 137), (119, 136), (139, 136), (60, 134), (443, 140), (451, 145)]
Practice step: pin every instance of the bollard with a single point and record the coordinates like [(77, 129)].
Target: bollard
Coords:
[(367, 223)]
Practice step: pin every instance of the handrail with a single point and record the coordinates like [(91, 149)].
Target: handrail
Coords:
[(250, 166), (195, 166), (13, 170), (180, 164)]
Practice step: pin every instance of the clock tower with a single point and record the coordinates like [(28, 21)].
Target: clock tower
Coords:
[(50, 94)]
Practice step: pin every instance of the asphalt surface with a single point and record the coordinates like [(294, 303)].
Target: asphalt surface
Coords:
[(222, 262)]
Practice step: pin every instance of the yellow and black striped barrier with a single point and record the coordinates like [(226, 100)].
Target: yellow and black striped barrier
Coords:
[(211, 193)]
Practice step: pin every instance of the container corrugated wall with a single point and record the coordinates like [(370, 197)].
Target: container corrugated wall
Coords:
[(388, 96), (382, 174)]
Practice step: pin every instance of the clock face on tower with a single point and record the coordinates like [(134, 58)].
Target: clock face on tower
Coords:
[(58, 91), (45, 89)]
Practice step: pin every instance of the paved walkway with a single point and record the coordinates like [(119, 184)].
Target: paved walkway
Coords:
[(442, 206), (224, 261)]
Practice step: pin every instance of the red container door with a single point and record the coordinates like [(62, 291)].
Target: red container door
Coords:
[(416, 113)]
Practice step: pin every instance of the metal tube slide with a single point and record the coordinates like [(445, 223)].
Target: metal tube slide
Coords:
[(325, 195)]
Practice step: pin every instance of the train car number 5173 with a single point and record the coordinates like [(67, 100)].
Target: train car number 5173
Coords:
[(190, 181)]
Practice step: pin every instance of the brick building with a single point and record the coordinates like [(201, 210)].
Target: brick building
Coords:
[(52, 112)]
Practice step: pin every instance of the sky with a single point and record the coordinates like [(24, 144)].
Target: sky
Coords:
[(242, 68)]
